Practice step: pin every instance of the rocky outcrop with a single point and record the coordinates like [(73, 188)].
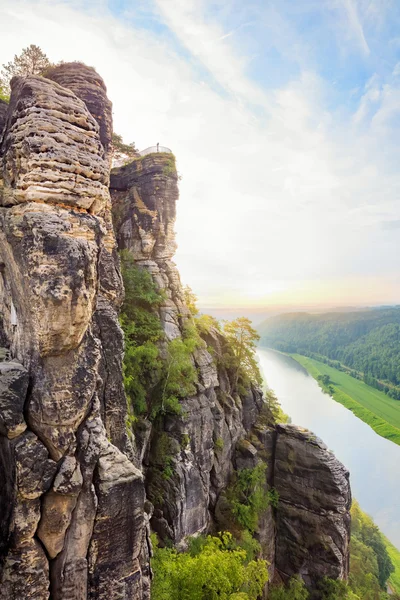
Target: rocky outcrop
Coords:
[(144, 195), (220, 430), (312, 520), (89, 87), (71, 488)]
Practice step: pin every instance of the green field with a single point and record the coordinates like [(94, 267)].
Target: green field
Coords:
[(394, 579), (375, 408)]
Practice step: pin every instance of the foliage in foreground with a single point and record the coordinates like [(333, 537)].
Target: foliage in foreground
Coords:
[(214, 569)]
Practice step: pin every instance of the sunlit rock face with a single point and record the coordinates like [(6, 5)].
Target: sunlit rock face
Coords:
[(89, 87), (72, 501)]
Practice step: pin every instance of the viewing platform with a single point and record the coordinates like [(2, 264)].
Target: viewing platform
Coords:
[(156, 148)]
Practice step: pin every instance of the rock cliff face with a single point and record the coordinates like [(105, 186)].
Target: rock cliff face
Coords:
[(72, 509), (77, 497), (309, 531)]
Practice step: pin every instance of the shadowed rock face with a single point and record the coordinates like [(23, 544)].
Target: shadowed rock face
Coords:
[(3, 112), (313, 521), (70, 488)]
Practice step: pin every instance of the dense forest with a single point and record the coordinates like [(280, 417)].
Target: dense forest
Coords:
[(367, 343)]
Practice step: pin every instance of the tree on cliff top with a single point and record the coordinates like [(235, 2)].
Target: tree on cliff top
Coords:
[(31, 61), (122, 153)]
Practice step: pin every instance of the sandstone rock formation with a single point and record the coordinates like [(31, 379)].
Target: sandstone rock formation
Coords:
[(70, 486), (312, 520)]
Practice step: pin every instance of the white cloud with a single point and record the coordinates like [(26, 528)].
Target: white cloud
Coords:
[(269, 197), (355, 25)]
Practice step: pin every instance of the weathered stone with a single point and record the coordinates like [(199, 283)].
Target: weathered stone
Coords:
[(313, 521), (111, 391), (25, 574), (306, 470), (58, 504), (56, 517), (69, 477), (7, 494), (144, 195), (89, 87), (114, 570), (14, 381), (51, 147), (34, 469), (50, 256), (62, 394), (60, 289)]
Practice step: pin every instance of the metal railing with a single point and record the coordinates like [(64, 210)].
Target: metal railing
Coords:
[(157, 148)]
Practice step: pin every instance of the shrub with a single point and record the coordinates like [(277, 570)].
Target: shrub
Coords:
[(248, 496), (142, 330), (214, 568)]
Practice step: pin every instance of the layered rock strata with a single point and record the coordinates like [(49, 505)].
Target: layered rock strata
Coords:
[(72, 507)]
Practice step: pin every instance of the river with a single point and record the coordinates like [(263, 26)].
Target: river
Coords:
[(373, 461)]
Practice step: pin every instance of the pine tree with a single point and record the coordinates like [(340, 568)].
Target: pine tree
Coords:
[(31, 61)]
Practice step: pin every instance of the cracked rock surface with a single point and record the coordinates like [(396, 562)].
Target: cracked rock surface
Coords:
[(72, 508)]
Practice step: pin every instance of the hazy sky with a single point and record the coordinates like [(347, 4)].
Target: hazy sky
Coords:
[(285, 119)]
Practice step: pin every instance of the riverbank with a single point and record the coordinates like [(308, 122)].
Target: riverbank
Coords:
[(372, 460), (373, 407), (394, 553)]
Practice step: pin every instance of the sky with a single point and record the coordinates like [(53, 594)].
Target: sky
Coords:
[(284, 117)]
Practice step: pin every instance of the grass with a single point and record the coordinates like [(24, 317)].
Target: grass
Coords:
[(375, 408), (394, 579)]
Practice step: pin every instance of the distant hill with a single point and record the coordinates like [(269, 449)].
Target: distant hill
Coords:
[(367, 342)]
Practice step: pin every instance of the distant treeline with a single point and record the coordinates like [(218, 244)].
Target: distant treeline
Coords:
[(364, 344)]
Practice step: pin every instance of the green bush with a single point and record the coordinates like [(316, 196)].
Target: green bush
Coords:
[(157, 375), (370, 563), (142, 330), (295, 590), (214, 568), (240, 353), (248, 497)]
